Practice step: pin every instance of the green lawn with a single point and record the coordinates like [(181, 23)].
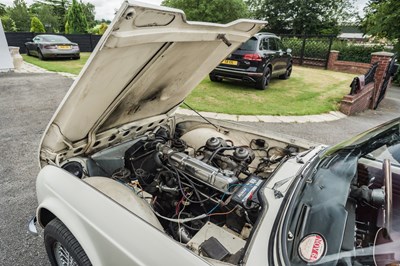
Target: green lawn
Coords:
[(59, 65), (308, 91)]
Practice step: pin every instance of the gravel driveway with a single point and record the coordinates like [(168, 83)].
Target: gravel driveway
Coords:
[(27, 102)]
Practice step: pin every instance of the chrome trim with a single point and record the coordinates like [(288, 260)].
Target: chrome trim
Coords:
[(387, 173), (32, 229), (238, 72)]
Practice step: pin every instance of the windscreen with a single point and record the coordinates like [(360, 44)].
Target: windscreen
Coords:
[(55, 38), (250, 45)]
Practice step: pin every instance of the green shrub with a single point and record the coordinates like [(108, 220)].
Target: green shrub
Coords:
[(357, 52), (37, 25), (8, 23)]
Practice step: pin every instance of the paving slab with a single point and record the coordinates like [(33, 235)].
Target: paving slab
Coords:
[(338, 114), (209, 114), (248, 118), (317, 118), (302, 119), (30, 68), (185, 112), (268, 119), (227, 117)]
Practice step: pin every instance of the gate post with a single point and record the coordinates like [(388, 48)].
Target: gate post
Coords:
[(329, 52), (383, 59), (302, 50)]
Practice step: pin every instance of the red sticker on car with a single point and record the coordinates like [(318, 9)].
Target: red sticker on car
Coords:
[(312, 248)]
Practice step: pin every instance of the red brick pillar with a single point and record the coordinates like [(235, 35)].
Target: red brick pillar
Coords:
[(383, 59), (333, 57)]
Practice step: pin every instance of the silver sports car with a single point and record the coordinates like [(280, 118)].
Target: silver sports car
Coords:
[(52, 46)]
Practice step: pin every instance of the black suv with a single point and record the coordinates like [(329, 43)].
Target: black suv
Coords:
[(257, 61)]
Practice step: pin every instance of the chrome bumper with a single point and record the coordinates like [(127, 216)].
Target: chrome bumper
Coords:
[(32, 229)]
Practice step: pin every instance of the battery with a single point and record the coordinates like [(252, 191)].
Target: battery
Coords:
[(246, 195)]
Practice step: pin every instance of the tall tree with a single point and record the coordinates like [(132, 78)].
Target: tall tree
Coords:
[(302, 16), (8, 24), (75, 21), (20, 15), (220, 11), (382, 18), (2, 9), (60, 9), (46, 15), (37, 25), (90, 13)]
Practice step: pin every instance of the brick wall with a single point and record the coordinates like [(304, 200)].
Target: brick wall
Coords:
[(346, 66), (383, 59), (368, 94), (352, 104)]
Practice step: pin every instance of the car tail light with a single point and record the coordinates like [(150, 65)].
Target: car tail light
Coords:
[(50, 47), (252, 57)]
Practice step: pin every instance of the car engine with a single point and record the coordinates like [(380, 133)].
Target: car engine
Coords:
[(193, 188)]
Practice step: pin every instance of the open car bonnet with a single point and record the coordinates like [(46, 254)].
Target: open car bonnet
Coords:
[(146, 63)]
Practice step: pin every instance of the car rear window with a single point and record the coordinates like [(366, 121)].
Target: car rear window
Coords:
[(55, 38), (251, 44)]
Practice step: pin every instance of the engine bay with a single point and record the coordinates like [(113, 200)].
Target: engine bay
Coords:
[(202, 184)]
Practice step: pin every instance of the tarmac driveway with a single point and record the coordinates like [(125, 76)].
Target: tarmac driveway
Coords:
[(27, 102)]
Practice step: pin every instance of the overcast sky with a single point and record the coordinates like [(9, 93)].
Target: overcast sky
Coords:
[(106, 8)]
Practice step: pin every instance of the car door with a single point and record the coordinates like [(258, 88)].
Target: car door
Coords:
[(35, 44), (285, 57), (30, 44), (265, 53), (276, 55)]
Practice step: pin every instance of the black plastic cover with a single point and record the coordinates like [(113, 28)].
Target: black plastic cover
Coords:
[(212, 248)]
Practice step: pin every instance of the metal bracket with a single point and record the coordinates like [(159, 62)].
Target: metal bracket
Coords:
[(224, 39)]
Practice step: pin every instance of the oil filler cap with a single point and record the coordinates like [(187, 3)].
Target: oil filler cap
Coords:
[(312, 248)]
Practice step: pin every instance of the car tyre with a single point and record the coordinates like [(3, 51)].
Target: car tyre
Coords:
[(287, 74), (40, 55), (214, 78), (263, 82), (62, 247), (27, 51)]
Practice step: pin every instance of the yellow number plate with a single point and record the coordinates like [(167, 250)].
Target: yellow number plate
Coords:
[(230, 62), (64, 46)]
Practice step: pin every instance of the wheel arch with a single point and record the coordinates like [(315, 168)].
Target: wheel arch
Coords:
[(270, 67), (53, 209), (44, 216)]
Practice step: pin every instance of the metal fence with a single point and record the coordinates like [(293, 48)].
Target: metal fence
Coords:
[(311, 50), (86, 42)]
